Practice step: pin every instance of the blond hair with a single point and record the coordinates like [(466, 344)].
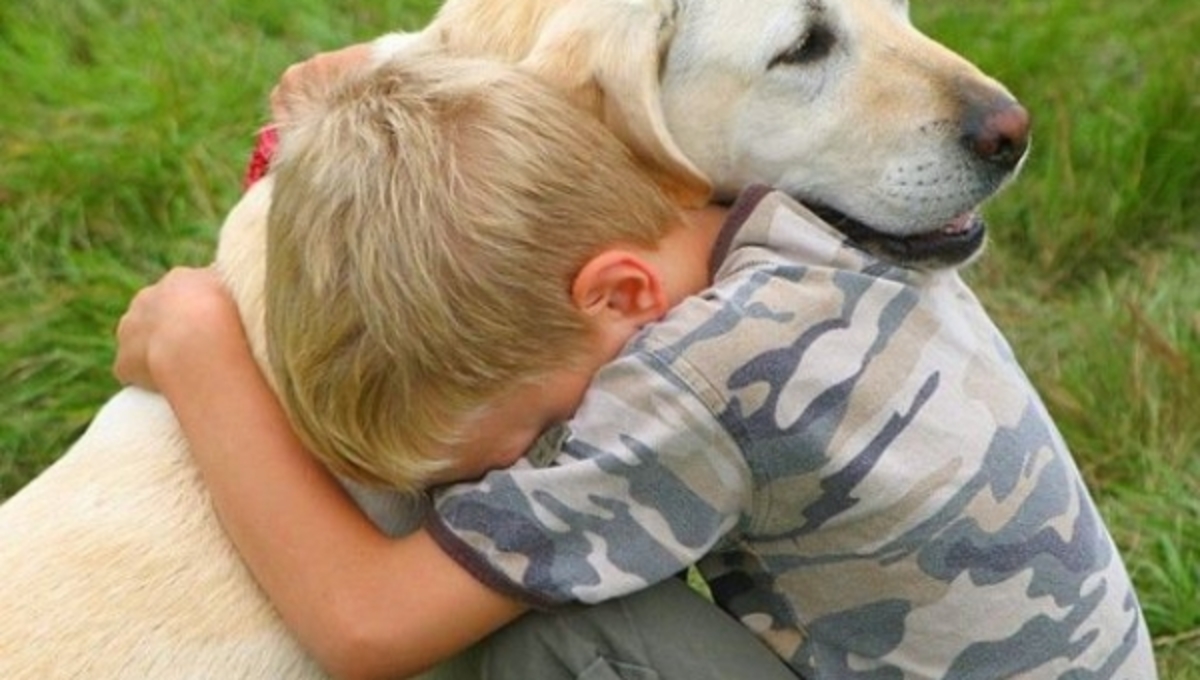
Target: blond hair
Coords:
[(427, 221)]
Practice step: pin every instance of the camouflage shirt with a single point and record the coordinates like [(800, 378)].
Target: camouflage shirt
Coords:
[(852, 456)]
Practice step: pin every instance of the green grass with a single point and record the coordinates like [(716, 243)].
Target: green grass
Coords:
[(125, 126), (1094, 270)]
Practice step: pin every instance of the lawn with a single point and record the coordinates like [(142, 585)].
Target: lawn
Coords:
[(125, 126)]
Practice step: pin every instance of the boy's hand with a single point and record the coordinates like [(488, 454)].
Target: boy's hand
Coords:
[(314, 76), (184, 319)]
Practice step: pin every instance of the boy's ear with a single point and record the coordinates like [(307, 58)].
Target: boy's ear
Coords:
[(620, 286)]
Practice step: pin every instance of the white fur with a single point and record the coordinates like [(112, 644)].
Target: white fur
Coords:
[(112, 564)]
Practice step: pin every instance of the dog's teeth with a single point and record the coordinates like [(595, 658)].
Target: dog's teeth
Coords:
[(960, 224)]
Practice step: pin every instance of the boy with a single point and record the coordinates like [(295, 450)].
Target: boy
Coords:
[(400, 304), (847, 448), (853, 457), (410, 207)]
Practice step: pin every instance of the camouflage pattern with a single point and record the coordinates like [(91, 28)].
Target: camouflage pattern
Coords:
[(853, 457)]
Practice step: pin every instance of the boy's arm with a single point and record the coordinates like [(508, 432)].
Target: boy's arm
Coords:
[(363, 604)]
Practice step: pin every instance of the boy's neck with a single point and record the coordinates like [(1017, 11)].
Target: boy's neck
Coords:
[(684, 253)]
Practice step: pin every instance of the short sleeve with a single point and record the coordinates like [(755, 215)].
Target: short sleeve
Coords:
[(645, 484)]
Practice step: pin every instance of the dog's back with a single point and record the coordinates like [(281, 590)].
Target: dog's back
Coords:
[(113, 563), (114, 566)]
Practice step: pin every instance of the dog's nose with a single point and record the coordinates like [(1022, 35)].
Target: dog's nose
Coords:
[(998, 134)]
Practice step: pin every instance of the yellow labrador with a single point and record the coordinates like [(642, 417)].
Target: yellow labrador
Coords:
[(841, 103), (112, 564)]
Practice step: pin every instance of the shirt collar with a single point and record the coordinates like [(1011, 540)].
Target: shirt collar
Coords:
[(739, 212)]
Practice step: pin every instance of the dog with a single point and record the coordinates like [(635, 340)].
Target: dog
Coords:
[(113, 562)]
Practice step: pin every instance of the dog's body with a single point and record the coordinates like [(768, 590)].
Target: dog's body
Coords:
[(112, 562)]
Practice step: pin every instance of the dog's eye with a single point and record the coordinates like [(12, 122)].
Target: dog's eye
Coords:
[(816, 45)]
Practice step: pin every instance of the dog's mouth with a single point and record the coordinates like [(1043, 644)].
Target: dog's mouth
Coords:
[(943, 246)]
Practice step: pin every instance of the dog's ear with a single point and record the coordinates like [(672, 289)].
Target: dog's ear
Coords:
[(605, 56)]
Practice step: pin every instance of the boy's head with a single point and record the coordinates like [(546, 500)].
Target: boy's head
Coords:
[(427, 223)]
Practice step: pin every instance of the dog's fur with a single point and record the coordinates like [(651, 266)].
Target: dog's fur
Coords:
[(112, 563)]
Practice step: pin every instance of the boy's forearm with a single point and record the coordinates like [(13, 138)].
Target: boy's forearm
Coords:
[(363, 604)]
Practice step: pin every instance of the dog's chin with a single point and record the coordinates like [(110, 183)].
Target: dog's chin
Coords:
[(948, 245)]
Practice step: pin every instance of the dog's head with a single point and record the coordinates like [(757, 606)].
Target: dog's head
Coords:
[(606, 56), (846, 106), (892, 137)]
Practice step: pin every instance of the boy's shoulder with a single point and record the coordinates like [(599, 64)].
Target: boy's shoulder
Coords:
[(789, 283), (765, 222)]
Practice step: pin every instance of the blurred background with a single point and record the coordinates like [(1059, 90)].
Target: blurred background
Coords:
[(125, 127)]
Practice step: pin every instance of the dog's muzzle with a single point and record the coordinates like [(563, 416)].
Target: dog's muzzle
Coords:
[(955, 243)]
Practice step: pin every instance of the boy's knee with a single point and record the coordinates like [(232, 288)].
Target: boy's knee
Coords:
[(575, 643), (667, 632)]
